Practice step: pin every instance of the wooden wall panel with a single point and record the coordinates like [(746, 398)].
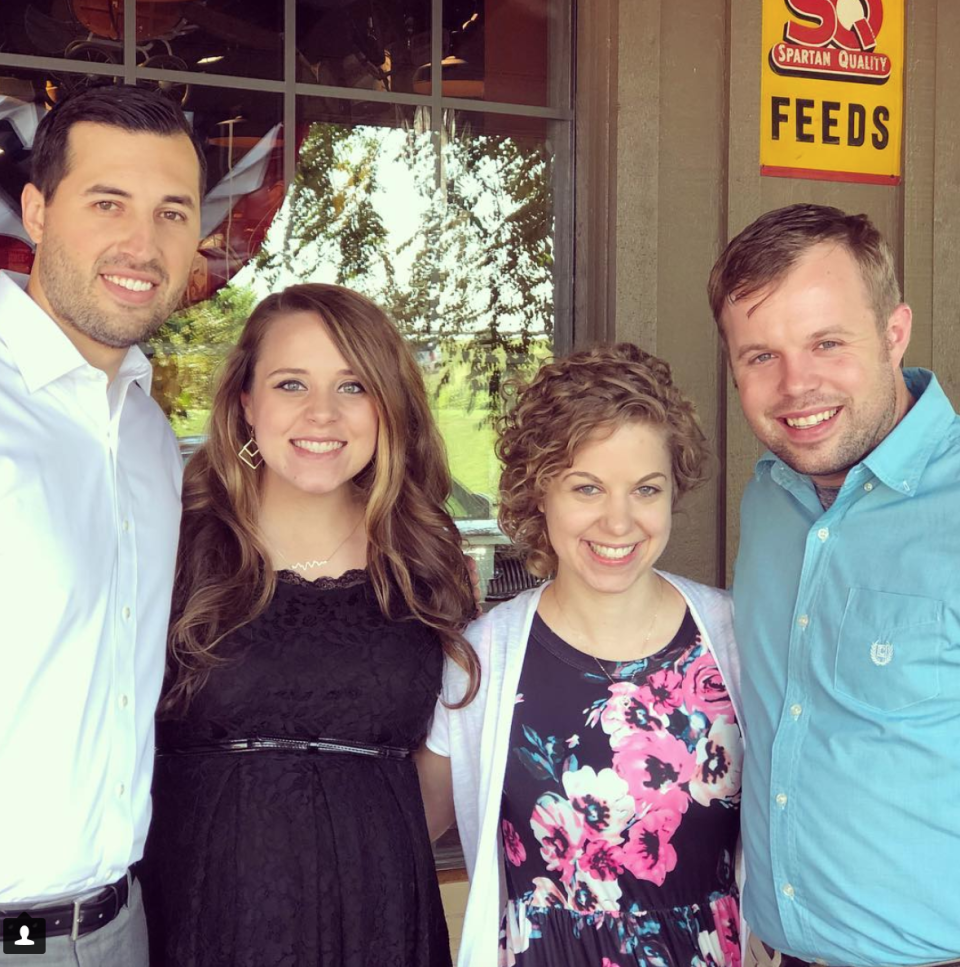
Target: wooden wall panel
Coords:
[(693, 144), (945, 317)]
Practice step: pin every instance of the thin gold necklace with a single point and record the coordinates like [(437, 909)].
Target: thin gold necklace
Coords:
[(583, 637), (309, 565)]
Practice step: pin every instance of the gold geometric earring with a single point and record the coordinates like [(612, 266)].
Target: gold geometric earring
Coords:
[(250, 453)]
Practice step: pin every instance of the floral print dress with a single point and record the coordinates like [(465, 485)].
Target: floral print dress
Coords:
[(620, 812)]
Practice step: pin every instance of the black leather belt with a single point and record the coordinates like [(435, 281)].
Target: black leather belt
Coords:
[(269, 743), (80, 917)]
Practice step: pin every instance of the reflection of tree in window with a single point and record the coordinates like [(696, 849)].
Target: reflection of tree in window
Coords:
[(472, 267)]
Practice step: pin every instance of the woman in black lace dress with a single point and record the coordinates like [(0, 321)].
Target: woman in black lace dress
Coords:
[(319, 583)]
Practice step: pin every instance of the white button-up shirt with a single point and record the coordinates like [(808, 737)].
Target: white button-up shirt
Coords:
[(89, 517)]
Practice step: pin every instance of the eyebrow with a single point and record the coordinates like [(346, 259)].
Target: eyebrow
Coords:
[(185, 200), (287, 371), (814, 337), (590, 476)]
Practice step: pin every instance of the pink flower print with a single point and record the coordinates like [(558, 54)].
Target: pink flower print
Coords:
[(546, 893), (653, 762), (601, 859), (726, 915), (590, 895), (624, 713), (662, 693), (704, 690), (719, 767), (560, 833), (647, 854), (607, 962), (602, 798), (573, 741), (512, 844)]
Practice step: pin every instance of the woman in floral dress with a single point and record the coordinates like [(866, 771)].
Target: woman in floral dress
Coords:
[(596, 777)]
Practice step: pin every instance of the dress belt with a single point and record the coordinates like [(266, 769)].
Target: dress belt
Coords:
[(272, 743)]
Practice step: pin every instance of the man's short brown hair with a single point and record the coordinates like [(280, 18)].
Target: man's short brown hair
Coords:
[(764, 252)]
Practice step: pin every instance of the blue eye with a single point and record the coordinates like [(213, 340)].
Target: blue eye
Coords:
[(290, 385), (648, 490), (353, 388), (588, 490)]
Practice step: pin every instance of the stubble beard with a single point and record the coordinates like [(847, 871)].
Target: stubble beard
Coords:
[(867, 431), (71, 299)]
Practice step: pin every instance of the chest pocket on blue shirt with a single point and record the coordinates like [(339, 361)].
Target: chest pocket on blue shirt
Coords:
[(888, 652)]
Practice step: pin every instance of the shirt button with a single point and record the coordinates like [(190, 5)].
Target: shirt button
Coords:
[(126, 614), (122, 701), (803, 621), (121, 789), (781, 799), (868, 486), (788, 891), (126, 525), (823, 533), (796, 710)]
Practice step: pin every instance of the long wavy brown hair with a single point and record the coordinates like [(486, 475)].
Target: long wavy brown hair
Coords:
[(224, 578)]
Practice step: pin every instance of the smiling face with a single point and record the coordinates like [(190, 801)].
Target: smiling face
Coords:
[(116, 240), (608, 516), (819, 383), (316, 425)]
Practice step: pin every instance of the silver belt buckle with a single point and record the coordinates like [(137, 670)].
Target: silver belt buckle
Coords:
[(77, 920)]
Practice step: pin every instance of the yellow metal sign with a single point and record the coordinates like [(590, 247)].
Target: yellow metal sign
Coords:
[(832, 90)]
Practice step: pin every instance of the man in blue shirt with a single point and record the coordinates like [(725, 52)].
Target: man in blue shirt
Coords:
[(847, 593)]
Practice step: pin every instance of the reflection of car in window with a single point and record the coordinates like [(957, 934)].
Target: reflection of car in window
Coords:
[(428, 356)]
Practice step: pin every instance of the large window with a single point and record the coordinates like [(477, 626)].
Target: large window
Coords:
[(416, 150)]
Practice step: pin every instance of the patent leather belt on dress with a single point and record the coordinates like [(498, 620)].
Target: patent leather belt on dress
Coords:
[(79, 917), (269, 743)]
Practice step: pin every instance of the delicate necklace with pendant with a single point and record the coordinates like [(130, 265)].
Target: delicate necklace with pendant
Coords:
[(583, 637), (309, 565)]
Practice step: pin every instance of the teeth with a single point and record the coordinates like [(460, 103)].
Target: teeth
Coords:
[(811, 420), (611, 553), (134, 285), (315, 447)]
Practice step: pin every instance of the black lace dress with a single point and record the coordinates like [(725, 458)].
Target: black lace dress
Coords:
[(281, 859)]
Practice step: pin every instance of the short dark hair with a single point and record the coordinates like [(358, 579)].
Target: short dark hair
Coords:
[(134, 109), (765, 251)]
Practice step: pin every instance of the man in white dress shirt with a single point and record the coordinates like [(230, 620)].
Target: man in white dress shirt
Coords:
[(89, 513)]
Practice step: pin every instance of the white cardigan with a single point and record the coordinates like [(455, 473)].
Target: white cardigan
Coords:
[(477, 739)]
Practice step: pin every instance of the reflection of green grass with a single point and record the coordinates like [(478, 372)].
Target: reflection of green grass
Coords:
[(470, 450), (193, 424)]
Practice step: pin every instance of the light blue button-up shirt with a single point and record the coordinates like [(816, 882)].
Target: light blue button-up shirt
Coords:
[(848, 622)]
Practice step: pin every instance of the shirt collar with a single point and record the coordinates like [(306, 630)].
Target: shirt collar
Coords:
[(902, 456), (42, 351)]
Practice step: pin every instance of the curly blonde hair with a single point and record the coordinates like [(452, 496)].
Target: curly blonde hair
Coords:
[(566, 403)]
